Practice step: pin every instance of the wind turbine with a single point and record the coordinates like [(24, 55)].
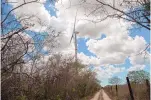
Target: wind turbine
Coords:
[(74, 34)]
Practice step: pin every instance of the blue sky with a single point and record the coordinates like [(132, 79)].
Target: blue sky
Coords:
[(133, 32), (82, 47), (140, 32)]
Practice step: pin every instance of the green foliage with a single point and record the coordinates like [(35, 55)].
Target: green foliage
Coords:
[(73, 90), (147, 6), (58, 97), (138, 76), (21, 98)]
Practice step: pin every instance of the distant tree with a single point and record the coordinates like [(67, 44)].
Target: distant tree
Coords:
[(138, 76), (115, 80)]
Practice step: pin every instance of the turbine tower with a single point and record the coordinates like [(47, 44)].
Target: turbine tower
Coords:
[(74, 34)]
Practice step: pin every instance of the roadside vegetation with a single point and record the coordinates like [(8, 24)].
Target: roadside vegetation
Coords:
[(55, 80), (27, 73), (139, 81), (32, 68), (139, 91)]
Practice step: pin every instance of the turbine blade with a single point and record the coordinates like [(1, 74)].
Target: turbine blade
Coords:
[(71, 38)]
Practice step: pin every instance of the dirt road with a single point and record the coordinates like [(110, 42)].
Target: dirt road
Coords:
[(101, 95)]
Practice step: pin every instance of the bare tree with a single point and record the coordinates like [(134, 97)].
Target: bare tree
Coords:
[(27, 75), (137, 11), (17, 48), (115, 80)]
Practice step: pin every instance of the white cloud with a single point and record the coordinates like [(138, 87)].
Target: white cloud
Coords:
[(136, 68), (40, 17), (140, 59), (58, 24), (115, 49), (67, 10), (109, 27), (36, 14), (43, 22), (88, 60), (107, 71), (61, 43), (88, 29)]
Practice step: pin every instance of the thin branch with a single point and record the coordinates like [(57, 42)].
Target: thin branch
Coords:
[(116, 9), (17, 8)]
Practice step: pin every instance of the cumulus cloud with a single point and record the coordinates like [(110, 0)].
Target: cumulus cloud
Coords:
[(36, 14), (88, 30), (85, 18), (35, 10), (115, 49), (136, 68), (107, 71), (140, 59), (88, 60), (44, 22)]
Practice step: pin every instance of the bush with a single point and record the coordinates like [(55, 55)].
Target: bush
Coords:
[(63, 80)]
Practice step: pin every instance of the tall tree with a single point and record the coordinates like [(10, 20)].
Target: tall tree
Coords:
[(138, 76)]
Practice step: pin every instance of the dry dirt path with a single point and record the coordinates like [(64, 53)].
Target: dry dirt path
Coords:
[(101, 95), (96, 96), (105, 96)]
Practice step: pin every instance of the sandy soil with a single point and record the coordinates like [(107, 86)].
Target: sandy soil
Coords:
[(98, 95), (105, 96)]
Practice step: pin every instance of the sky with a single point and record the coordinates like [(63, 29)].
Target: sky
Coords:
[(109, 48)]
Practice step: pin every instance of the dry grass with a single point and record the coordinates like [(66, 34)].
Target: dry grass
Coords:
[(139, 92)]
